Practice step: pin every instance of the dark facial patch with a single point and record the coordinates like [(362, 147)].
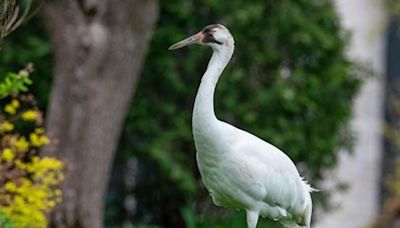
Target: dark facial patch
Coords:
[(208, 35)]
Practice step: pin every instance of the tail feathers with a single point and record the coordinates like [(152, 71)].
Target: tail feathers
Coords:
[(311, 189), (308, 186), (303, 220)]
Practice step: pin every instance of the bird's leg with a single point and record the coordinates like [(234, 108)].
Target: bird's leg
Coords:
[(252, 218)]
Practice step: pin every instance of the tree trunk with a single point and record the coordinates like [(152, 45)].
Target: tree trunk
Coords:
[(99, 48)]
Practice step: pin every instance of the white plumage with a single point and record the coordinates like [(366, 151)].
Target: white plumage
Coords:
[(239, 169)]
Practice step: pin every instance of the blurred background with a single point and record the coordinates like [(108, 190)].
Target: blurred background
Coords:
[(317, 78)]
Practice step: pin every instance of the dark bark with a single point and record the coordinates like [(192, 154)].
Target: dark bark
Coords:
[(99, 48)]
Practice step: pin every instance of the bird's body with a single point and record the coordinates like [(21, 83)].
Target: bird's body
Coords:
[(239, 169), (242, 171)]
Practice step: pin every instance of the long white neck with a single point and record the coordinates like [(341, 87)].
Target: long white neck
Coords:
[(204, 119)]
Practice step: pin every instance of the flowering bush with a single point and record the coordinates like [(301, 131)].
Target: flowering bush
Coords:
[(29, 184)]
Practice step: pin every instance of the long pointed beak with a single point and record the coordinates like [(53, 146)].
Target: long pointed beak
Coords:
[(188, 41)]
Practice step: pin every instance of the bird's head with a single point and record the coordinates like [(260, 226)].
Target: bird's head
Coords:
[(216, 36)]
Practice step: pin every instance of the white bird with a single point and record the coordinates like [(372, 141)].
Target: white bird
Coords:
[(239, 169)]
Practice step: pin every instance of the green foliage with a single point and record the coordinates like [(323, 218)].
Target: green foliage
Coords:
[(289, 82), (393, 7), (29, 184), (29, 44), (15, 83), (5, 222)]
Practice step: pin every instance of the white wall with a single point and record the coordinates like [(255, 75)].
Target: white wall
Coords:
[(358, 206)]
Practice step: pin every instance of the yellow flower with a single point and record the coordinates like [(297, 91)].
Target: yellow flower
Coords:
[(32, 185), (39, 130), (51, 203), (57, 192), (50, 163), (38, 140), (30, 115), (10, 186), (21, 165), (6, 126), (15, 103), (7, 155), (10, 109), (21, 145), (27, 202)]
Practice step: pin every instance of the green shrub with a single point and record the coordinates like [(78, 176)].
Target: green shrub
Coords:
[(29, 184), (289, 82)]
